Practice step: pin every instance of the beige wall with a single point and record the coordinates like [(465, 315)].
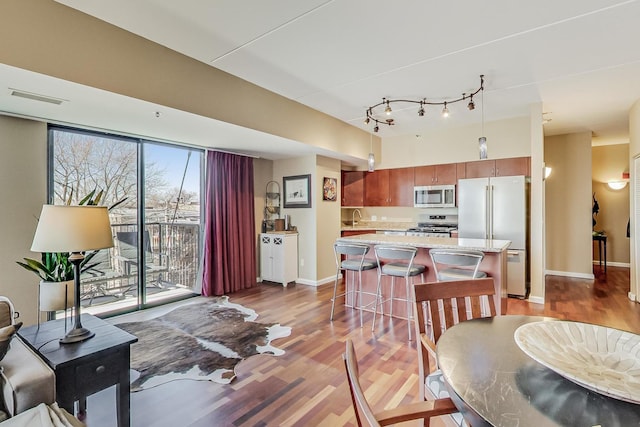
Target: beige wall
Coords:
[(537, 209), (23, 177), (608, 163), (328, 220), (303, 218), (634, 153), (568, 205), (505, 138)]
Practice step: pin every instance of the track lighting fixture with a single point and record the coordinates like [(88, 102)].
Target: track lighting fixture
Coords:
[(371, 115)]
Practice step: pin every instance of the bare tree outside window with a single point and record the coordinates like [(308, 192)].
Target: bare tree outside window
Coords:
[(83, 162)]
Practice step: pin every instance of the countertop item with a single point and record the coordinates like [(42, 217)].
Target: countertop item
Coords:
[(494, 383), (431, 242)]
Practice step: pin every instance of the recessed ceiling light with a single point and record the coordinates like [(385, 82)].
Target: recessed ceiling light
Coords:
[(35, 96)]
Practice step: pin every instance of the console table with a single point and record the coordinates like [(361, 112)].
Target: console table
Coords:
[(85, 367)]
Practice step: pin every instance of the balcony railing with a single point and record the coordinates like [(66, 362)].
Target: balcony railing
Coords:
[(171, 254)]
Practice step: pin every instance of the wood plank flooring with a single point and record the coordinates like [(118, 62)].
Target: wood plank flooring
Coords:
[(307, 387)]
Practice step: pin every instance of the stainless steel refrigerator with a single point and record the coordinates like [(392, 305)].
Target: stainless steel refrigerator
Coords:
[(497, 208)]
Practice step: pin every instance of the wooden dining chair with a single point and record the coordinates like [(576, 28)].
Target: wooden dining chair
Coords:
[(365, 415), (435, 312)]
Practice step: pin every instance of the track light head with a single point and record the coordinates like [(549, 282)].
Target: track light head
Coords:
[(366, 121), (445, 110), (388, 109), (471, 105), (376, 128)]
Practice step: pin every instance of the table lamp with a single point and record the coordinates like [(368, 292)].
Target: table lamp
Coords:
[(73, 229)]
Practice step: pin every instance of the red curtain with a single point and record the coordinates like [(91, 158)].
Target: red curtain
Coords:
[(230, 236)]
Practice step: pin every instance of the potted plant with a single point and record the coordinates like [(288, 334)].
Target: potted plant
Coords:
[(56, 291)]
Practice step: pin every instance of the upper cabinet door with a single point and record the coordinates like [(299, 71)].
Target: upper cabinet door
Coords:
[(424, 175), (436, 174), (513, 166), (401, 187), (480, 169), (353, 188), (376, 188), (446, 174)]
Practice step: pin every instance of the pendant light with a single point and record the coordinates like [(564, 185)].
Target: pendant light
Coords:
[(371, 161), (482, 141)]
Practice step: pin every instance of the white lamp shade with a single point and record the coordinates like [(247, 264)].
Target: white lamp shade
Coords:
[(72, 229)]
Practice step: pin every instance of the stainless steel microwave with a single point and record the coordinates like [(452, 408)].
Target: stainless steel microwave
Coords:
[(434, 196)]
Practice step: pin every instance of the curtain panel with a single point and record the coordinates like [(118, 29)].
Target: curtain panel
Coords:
[(230, 237)]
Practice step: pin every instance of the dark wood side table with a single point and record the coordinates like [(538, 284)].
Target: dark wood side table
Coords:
[(86, 367)]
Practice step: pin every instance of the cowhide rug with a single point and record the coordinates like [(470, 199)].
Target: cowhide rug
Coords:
[(200, 341)]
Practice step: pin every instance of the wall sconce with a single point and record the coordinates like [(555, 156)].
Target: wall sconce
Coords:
[(617, 185), (547, 172)]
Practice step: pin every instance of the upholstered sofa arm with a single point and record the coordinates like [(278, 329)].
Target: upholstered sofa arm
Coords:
[(26, 380)]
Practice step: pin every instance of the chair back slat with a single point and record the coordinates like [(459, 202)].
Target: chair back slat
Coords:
[(350, 249), (396, 252), (462, 261)]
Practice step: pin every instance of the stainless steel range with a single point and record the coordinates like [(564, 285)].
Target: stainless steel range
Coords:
[(435, 226)]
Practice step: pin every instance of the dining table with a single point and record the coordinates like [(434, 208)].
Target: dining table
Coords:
[(494, 383)]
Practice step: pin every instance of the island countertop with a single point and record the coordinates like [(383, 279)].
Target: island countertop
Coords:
[(430, 242)]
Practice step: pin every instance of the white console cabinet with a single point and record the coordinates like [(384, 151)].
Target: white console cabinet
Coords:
[(279, 257)]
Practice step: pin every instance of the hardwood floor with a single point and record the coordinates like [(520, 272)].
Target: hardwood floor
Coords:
[(307, 386)]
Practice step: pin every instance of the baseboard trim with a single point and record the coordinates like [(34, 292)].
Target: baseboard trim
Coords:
[(614, 264), (536, 300), (588, 276), (315, 283)]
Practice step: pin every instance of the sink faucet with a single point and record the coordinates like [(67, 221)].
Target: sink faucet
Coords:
[(353, 216)]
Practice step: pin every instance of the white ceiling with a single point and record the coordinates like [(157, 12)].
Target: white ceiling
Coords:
[(580, 59)]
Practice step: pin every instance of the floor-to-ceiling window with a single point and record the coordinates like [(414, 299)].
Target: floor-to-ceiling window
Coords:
[(153, 191)]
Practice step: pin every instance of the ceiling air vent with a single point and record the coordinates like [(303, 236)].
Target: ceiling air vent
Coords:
[(36, 97)]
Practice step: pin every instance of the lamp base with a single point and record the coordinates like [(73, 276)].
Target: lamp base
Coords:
[(77, 335)]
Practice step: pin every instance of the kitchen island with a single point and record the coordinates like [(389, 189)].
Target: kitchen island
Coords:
[(494, 264)]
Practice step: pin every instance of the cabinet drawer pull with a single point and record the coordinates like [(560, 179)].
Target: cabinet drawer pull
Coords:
[(100, 369)]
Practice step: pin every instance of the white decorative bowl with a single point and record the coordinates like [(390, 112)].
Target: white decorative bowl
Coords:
[(601, 359)]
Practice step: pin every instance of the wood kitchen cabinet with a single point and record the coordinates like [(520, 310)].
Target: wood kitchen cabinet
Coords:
[(513, 166), (401, 187), (376, 188), (353, 188), (499, 167), (436, 174)]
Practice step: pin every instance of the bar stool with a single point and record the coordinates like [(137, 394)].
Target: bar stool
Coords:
[(358, 263), (451, 264), (457, 264), (399, 263)]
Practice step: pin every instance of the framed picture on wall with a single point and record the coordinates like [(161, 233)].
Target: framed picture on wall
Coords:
[(297, 191), (329, 189)]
